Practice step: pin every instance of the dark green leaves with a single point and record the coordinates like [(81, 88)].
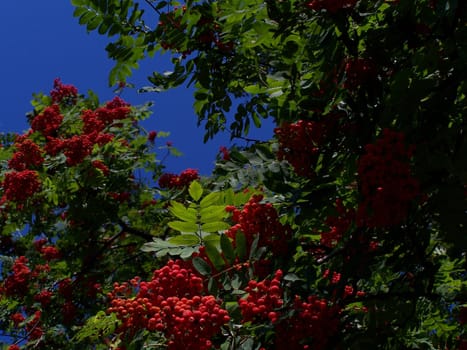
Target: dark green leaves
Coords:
[(202, 266)]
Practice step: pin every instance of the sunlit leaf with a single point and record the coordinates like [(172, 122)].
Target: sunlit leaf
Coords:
[(183, 226), (195, 190)]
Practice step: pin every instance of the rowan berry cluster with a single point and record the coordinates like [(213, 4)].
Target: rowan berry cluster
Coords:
[(65, 289), (23, 182), (172, 181), (359, 71), (18, 186), (63, 93), (338, 225), (100, 165), (210, 34), (27, 155), (261, 219), (168, 21), (152, 136), (48, 122), (171, 303), (97, 120), (312, 325), (23, 283), (299, 145), (44, 297), (225, 153), (17, 319), (16, 284), (32, 327), (48, 252), (120, 197), (207, 34), (331, 6), (263, 301), (78, 147), (334, 279), (387, 186)]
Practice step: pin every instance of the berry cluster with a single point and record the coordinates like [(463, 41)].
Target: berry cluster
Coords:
[(100, 118), (225, 153), (208, 34), (386, 183), (33, 329), (299, 144), (359, 71), (18, 186), (62, 93), (17, 319), (312, 325), (261, 219), (48, 122), (169, 21), (100, 165), (28, 155), (152, 136), (24, 283), (23, 182), (331, 6), (263, 300), (334, 280), (44, 297), (78, 147), (48, 252), (171, 303), (338, 225), (17, 283), (172, 181)]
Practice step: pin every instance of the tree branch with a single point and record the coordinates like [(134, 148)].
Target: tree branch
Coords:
[(133, 231)]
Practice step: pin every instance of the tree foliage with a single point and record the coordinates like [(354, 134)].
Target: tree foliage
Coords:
[(344, 231)]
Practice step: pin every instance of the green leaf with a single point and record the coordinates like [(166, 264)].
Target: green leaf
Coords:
[(185, 239), (183, 226), (227, 249), (215, 226), (180, 211), (214, 256), (291, 277), (156, 245), (213, 213), (201, 266), (210, 199), (187, 252), (253, 89), (213, 289), (213, 239), (96, 326), (195, 190), (240, 244), (254, 247)]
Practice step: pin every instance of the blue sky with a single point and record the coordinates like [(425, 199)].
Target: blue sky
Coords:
[(41, 40)]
